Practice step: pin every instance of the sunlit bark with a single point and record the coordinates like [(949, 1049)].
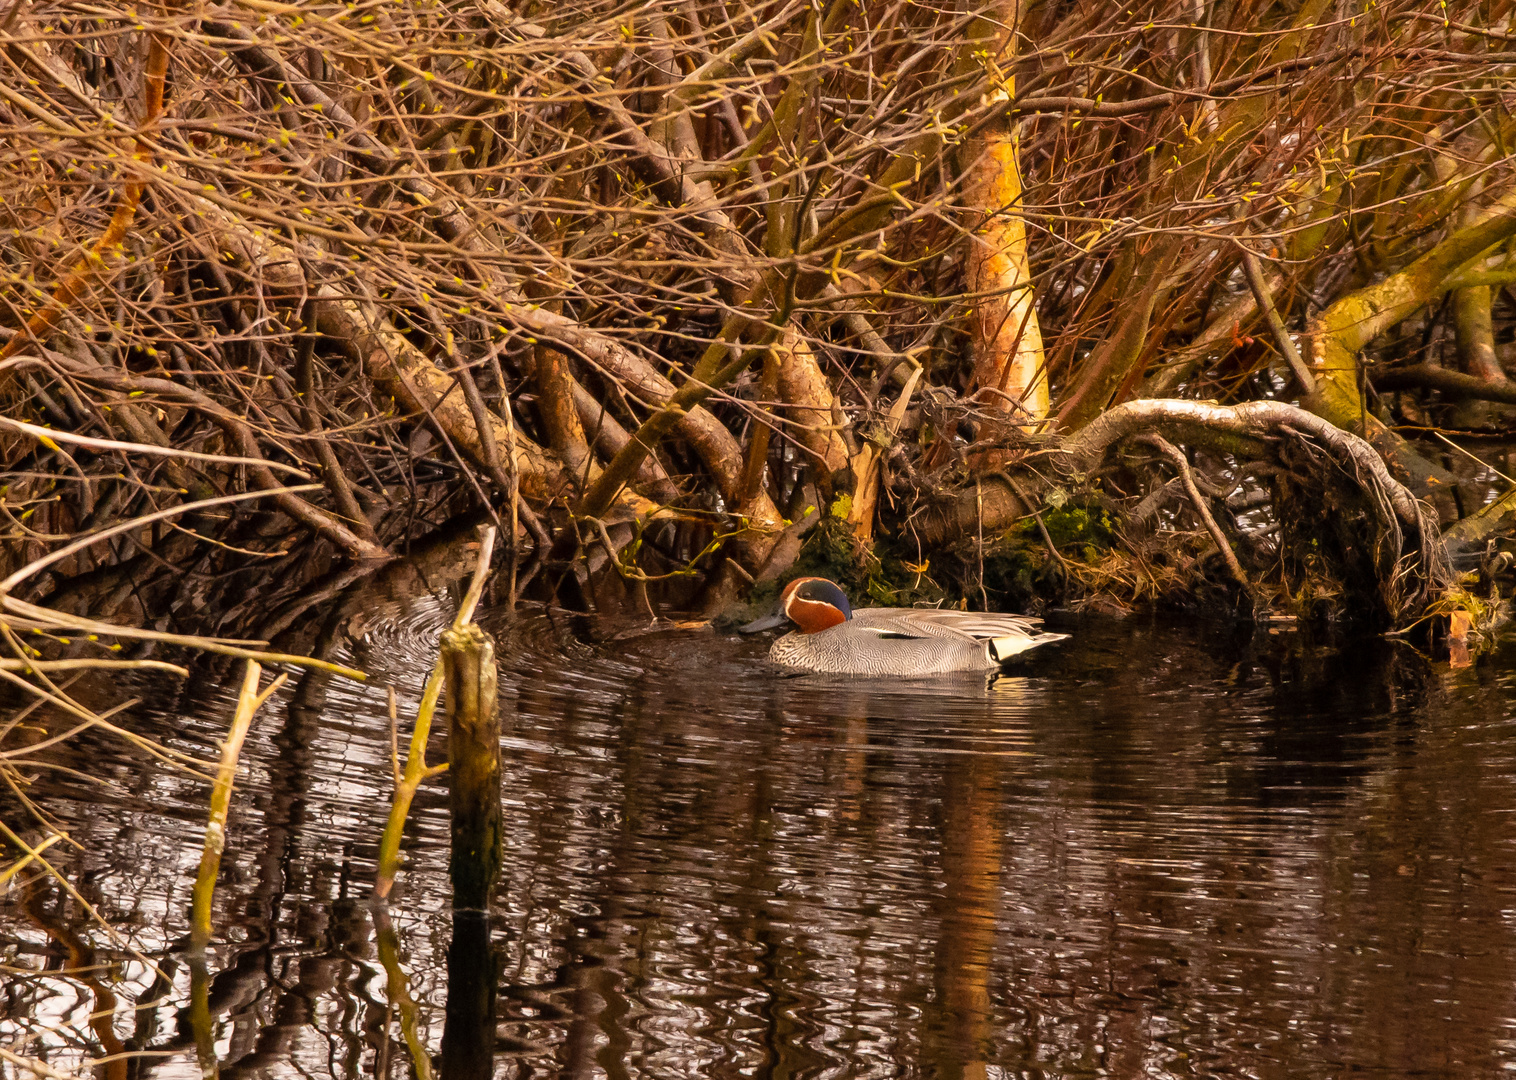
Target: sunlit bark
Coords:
[(665, 245), (1340, 333), (812, 406), (1010, 371)]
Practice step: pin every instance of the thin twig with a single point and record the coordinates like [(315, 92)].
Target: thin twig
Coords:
[(481, 575), (1175, 455), (249, 700), (1282, 340), (416, 773)]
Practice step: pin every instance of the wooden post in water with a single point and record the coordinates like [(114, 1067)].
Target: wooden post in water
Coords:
[(473, 750)]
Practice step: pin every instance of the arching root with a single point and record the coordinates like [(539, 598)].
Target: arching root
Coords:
[(1345, 526)]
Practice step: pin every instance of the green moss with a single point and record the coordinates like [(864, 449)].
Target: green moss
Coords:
[(1086, 529), (1018, 573)]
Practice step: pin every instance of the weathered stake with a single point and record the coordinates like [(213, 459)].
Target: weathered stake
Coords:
[(473, 746), (468, 659)]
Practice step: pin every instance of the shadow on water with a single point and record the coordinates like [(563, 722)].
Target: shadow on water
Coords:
[(1160, 850)]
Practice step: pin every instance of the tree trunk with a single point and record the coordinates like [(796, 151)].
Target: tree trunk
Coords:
[(1009, 365)]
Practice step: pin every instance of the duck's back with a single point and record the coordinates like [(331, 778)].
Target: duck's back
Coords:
[(864, 653), (946, 623), (911, 642)]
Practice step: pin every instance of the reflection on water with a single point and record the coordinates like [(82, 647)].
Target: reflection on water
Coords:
[(1154, 851)]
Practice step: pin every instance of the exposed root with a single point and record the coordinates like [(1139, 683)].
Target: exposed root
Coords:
[(1332, 523)]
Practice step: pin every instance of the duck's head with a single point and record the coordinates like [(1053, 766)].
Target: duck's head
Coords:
[(811, 603)]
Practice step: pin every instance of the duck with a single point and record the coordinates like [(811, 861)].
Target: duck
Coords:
[(834, 639)]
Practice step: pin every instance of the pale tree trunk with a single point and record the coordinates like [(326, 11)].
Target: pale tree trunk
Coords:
[(813, 410), (1009, 370), (1341, 332), (1472, 319)]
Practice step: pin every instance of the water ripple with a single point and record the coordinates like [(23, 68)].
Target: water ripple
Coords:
[(1156, 851)]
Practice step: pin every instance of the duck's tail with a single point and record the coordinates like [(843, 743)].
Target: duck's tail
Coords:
[(1002, 649)]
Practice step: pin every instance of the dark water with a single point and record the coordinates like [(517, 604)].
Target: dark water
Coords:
[(1162, 850)]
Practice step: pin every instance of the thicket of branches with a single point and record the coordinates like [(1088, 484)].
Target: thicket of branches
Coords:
[(1019, 301), (692, 269)]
